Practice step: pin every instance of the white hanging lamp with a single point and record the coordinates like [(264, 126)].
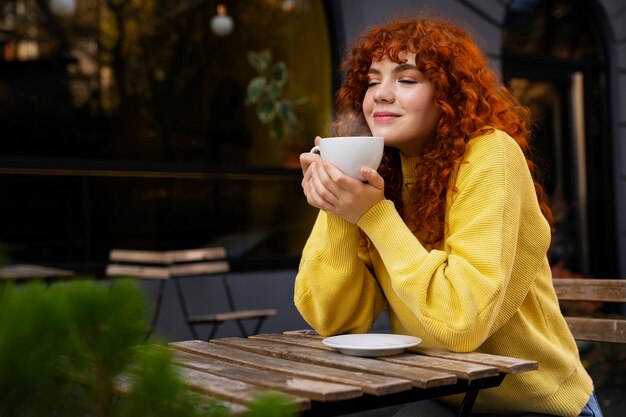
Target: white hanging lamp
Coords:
[(222, 24), (63, 8)]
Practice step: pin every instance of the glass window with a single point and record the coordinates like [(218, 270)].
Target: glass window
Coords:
[(555, 63), (139, 124)]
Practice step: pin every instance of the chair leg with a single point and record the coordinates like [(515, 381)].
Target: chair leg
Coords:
[(213, 331), (183, 307), (157, 309), (231, 304), (259, 323), (229, 294), (242, 328)]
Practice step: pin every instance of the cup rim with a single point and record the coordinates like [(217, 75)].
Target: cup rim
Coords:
[(352, 137)]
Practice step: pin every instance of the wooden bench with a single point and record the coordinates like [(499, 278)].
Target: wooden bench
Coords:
[(180, 264), (596, 329)]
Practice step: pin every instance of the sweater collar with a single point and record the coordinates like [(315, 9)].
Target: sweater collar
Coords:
[(408, 164)]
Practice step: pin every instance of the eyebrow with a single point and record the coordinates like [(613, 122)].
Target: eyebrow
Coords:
[(399, 68)]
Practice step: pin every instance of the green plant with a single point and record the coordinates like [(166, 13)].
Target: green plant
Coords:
[(74, 349), (265, 91)]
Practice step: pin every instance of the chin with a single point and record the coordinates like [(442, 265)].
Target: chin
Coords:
[(386, 135)]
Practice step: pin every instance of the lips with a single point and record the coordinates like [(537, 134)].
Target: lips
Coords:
[(385, 116)]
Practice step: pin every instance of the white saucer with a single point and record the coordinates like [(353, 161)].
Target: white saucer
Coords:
[(371, 344)]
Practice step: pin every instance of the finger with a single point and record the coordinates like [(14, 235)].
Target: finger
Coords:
[(372, 177), (323, 184), (307, 181), (342, 181), (317, 140), (318, 201), (317, 194), (329, 176), (306, 159)]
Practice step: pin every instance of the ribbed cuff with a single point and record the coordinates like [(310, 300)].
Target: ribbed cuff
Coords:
[(344, 242)]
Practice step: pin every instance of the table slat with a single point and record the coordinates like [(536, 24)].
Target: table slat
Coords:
[(502, 363), (230, 389), (370, 383), (125, 381), (313, 389), (419, 377), (462, 370), (27, 271)]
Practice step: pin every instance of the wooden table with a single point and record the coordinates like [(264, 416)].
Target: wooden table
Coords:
[(323, 382), (25, 272)]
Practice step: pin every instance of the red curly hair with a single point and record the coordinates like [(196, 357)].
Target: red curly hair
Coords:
[(471, 98)]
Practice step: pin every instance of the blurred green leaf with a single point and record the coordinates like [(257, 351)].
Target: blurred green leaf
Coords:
[(288, 116), (64, 348), (157, 385), (299, 101), (274, 90), (276, 129), (260, 60), (266, 110), (75, 349), (280, 73), (256, 88), (33, 335), (284, 109), (272, 405), (273, 109)]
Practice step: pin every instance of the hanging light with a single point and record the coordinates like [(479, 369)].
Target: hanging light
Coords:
[(63, 8), (222, 24)]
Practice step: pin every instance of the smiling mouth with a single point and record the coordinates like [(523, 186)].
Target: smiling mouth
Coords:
[(385, 116)]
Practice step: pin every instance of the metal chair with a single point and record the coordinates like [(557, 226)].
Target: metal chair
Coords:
[(146, 265), (179, 265), (207, 262)]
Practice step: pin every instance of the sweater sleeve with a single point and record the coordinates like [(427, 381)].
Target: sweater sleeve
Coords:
[(335, 290), (463, 293)]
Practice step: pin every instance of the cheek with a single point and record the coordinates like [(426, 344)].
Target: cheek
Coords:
[(435, 113), (426, 107), (367, 104)]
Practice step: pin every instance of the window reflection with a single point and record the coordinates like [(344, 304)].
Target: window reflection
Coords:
[(149, 80), (554, 61), (120, 91)]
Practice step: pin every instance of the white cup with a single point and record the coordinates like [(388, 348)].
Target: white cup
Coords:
[(350, 153)]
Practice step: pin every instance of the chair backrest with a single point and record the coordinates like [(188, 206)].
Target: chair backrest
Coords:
[(192, 262), (139, 264), (605, 329), (178, 265), (167, 264)]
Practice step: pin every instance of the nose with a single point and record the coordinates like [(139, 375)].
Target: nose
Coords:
[(383, 94)]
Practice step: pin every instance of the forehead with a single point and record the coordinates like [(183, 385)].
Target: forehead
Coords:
[(403, 57), (403, 61)]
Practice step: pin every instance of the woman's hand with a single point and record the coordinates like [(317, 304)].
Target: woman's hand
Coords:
[(307, 158), (329, 189)]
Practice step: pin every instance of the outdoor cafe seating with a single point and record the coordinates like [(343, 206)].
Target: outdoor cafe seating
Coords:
[(320, 381), (180, 265), (323, 382)]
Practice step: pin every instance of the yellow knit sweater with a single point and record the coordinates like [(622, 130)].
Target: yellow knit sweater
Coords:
[(488, 288)]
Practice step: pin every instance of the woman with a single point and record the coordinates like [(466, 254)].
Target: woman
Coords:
[(450, 236)]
